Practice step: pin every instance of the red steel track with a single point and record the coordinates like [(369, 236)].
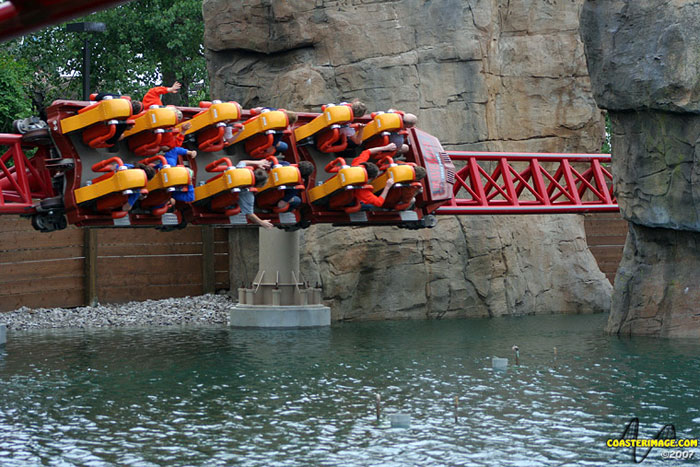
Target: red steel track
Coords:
[(481, 183), (23, 179), (530, 183)]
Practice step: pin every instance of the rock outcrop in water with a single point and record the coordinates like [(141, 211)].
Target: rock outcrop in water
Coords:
[(480, 74), (644, 63)]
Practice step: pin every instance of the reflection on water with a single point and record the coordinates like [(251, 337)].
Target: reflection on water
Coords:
[(219, 396)]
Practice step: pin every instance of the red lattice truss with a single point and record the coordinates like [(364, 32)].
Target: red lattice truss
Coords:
[(530, 183), (23, 178)]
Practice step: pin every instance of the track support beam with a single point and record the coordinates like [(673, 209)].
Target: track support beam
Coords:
[(530, 183), (278, 297)]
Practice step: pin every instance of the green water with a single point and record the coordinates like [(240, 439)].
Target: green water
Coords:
[(219, 396)]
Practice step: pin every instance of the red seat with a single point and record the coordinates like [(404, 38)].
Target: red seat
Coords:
[(400, 198), (258, 145), (211, 139), (113, 202), (345, 201), (96, 135), (225, 202), (146, 143), (332, 140)]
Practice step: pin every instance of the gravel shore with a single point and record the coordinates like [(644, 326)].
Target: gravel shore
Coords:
[(204, 309)]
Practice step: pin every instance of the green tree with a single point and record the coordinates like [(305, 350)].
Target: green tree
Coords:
[(14, 102), (607, 145), (147, 43)]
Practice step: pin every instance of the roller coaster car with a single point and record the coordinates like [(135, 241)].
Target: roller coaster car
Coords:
[(220, 193), (260, 132), (405, 186), (99, 121), (109, 192), (161, 187), (337, 190), (379, 131), (280, 179), (145, 137), (210, 124), (330, 128)]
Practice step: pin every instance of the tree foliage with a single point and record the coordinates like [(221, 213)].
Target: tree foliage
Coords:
[(147, 43), (14, 103), (607, 145)]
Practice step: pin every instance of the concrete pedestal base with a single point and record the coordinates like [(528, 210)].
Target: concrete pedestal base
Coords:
[(3, 334), (268, 316)]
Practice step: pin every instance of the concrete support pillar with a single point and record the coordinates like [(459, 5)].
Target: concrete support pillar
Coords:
[(250, 296), (3, 334), (278, 297), (278, 260), (279, 251)]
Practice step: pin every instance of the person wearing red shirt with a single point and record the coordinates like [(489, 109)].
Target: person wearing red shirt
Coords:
[(368, 199), (365, 195), (368, 153), (175, 136), (152, 97)]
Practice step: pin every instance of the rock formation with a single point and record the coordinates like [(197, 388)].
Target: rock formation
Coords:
[(480, 74), (465, 267), (644, 63)]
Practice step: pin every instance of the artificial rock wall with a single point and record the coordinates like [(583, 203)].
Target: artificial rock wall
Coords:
[(480, 74), (644, 62)]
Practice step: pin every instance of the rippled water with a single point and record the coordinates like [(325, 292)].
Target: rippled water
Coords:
[(219, 396)]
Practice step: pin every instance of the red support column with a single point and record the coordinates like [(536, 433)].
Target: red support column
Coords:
[(538, 181), (477, 186), (600, 181), (570, 181), (508, 181)]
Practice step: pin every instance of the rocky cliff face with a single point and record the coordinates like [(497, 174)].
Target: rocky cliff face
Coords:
[(480, 74), (465, 267), (644, 62)]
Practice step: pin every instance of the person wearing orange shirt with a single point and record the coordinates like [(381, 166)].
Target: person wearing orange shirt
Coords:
[(365, 155), (152, 97), (367, 199)]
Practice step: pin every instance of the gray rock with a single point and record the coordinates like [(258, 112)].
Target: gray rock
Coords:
[(480, 74), (643, 54), (465, 267), (205, 309), (656, 288), (477, 73), (644, 61), (656, 168)]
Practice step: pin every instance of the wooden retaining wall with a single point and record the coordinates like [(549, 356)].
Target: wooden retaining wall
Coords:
[(606, 234), (75, 266), (38, 269)]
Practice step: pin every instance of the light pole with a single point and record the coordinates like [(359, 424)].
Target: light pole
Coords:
[(89, 28), (90, 237)]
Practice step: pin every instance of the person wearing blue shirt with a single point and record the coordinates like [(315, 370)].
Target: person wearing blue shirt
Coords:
[(172, 157), (292, 197), (136, 194), (246, 199)]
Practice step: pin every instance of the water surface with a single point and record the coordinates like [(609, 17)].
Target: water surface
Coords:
[(220, 396)]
